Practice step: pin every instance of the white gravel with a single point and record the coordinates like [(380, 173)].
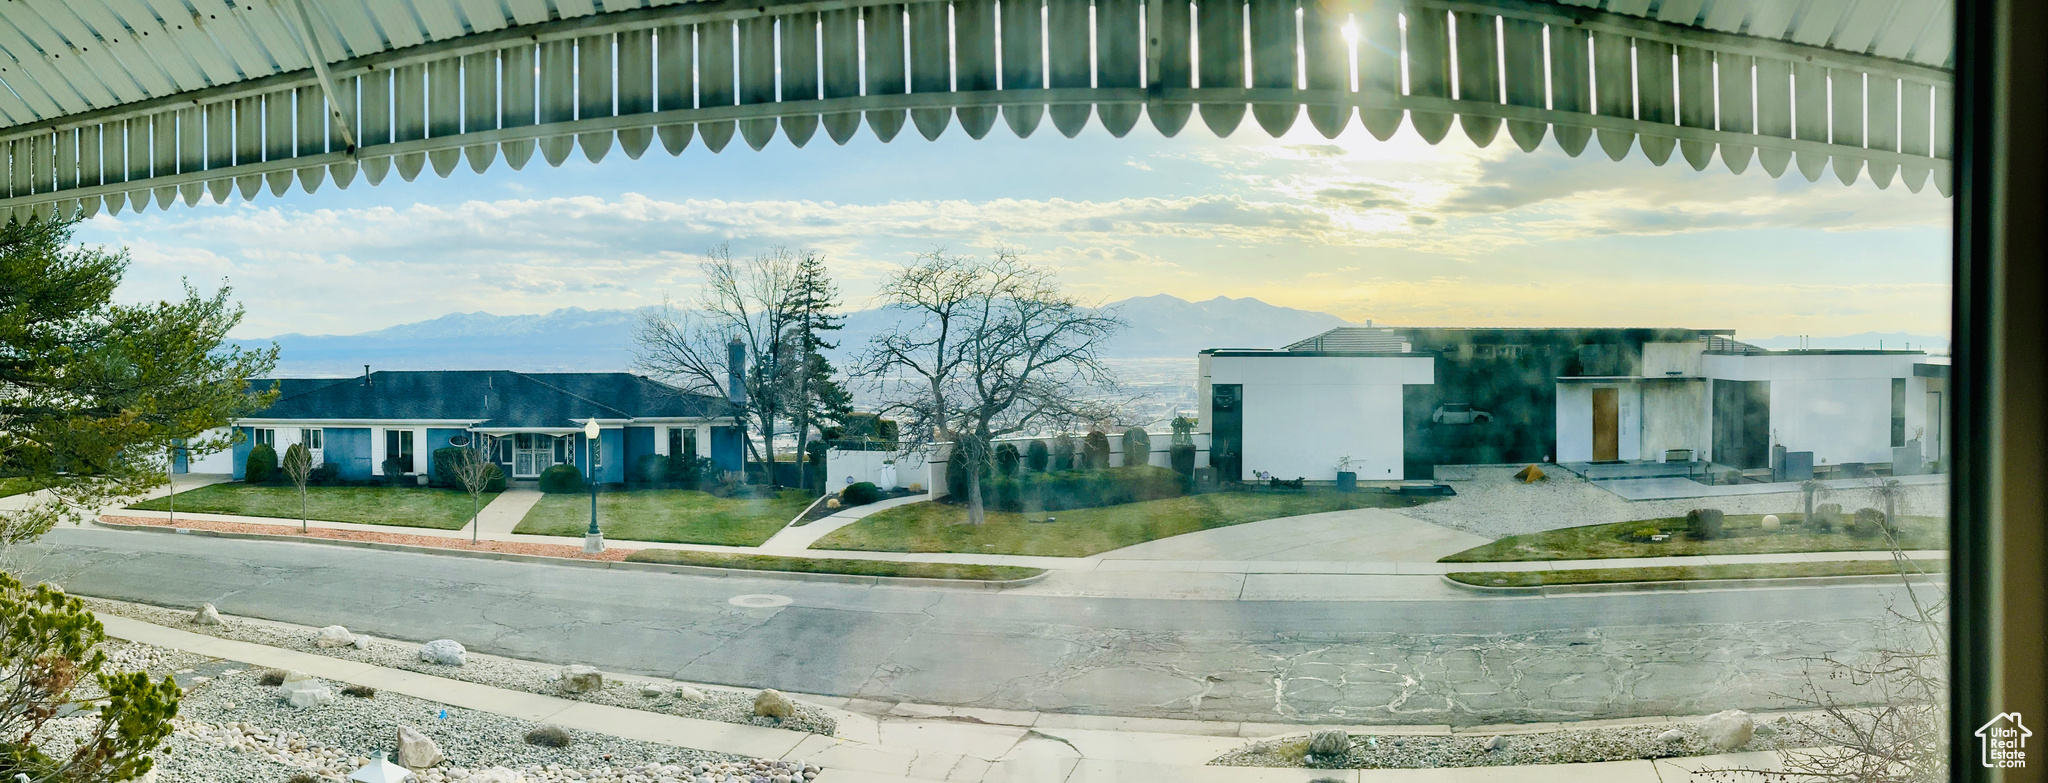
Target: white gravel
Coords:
[(1573, 746), (1494, 504), (728, 705)]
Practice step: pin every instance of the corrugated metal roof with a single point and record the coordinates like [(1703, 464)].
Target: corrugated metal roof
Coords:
[(125, 102), (1355, 339)]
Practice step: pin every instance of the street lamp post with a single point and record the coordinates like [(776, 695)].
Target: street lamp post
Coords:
[(593, 539)]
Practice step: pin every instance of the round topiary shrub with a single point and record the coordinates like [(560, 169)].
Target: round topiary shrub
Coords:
[(261, 465), (1007, 460), (1037, 456), (1137, 447), (860, 494), (561, 479), (1868, 523), (1062, 453), (548, 736), (1096, 449), (1704, 523), (1826, 516)]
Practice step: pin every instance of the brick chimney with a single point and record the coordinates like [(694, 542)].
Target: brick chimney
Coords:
[(736, 371)]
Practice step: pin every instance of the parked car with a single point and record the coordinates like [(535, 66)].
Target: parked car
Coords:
[(1459, 413)]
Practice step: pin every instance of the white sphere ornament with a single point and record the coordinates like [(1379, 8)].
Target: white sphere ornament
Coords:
[(1771, 522)]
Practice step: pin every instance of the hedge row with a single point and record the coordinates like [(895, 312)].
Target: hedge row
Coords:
[(1078, 489)]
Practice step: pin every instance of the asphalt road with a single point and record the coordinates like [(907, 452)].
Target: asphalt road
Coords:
[(1461, 662)]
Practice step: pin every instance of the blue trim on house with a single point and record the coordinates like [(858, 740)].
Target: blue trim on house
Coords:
[(639, 443), (438, 438), (725, 448), (242, 446), (349, 449)]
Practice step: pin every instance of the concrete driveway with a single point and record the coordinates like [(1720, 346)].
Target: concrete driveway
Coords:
[(1358, 535)]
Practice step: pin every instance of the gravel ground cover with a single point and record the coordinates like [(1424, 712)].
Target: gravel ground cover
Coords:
[(508, 547), (719, 704), (1573, 746), (1494, 504), (233, 728)]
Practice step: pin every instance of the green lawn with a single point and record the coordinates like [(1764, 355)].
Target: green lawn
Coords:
[(682, 516), (1587, 576), (445, 509), (1744, 536), (14, 486), (827, 566), (939, 527)]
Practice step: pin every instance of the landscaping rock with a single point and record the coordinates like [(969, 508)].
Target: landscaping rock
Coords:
[(207, 615), (1496, 743), (495, 775), (581, 679), (653, 690), (771, 703), (446, 652), (1729, 729), (416, 750), (361, 642), (305, 692), (689, 694), (1672, 737), (333, 636)]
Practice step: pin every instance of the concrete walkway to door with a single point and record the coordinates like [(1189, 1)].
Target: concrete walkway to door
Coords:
[(505, 511)]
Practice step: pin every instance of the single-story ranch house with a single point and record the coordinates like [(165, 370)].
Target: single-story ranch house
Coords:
[(527, 421), (1393, 403)]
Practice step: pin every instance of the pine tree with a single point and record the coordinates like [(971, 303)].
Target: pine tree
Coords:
[(814, 398)]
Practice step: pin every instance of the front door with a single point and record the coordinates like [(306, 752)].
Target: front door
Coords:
[(1606, 425), (531, 454)]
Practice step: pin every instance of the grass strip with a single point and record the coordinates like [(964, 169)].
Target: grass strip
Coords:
[(1742, 534), (442, 509), (807, 565), (1591, 576)]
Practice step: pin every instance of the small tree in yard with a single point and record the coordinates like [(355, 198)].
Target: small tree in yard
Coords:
[(298, 466), (47, 653), (476, 473), (997, 348)]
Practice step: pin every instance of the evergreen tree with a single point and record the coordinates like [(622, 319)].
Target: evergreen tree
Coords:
[(814, 397)]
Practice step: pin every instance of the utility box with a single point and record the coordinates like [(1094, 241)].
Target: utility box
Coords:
[(1795, 466), (1205, 479)]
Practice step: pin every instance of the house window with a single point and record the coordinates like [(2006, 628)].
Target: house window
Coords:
[(398, 446), (565, 450), (1898, 412), (264, 437), (312, 438)]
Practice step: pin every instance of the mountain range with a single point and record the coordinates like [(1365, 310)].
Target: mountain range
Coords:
[(575, 339)]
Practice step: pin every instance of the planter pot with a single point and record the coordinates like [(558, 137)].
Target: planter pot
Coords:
[(1347, 481)]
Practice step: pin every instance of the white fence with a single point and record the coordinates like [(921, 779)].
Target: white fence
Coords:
[(927, 466)]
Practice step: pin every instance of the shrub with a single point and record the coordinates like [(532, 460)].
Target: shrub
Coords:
[(560, 479), (325, 474), (1826, 516), (1062, 453), (359, 691), (548, 737), (814, 454), (445, 461), (1037, 456), (270, 677), (956, 475), (1643, 535), (1868, 523), (304, 777), (1329, 742), (1096, 448), (1704, 523), (689, 471), (649, 469), (1183, 459), (1006, 460), (860, 494), (260, 467), (1081, 489), (395, 468), (1137, 447)]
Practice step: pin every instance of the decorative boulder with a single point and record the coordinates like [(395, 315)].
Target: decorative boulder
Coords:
[(302, 690), (361, 642), (1770, 523), (581, 679), (1496, 743), (446, 652), (333, 636), (689, 694), (1728, 730), (653, 690), (1672, 737), (772, 704), (207, 615), (416, 750), (495, 775)]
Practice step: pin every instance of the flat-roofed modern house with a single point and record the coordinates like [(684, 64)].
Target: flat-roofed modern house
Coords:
[(1393, 403), (527, 421)]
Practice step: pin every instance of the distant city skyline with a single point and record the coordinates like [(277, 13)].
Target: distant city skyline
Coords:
[(1396, 232)]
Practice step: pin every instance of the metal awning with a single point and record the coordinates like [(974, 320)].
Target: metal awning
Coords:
[(118, 103)]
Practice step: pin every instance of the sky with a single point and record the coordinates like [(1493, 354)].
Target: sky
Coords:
[(1399, 232)]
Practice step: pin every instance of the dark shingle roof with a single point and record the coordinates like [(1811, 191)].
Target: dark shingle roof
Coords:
[(494, 398)]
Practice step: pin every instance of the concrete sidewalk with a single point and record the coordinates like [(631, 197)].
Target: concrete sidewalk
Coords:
[(794, 540), (922, 744)]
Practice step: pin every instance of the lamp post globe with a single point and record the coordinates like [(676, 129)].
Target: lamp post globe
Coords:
[(593, 539)]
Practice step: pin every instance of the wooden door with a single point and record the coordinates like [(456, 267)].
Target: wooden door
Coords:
[(1606, 425)]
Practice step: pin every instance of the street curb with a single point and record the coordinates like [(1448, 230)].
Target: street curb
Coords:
[(984, 585), (1686, 585)]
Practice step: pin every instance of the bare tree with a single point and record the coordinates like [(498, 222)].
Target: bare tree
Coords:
[(750, 303), (999, 348), (298, 466), (475, 472)]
